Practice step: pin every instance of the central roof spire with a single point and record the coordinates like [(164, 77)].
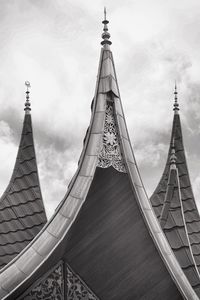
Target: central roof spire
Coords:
[(105, 34), (176, 105)]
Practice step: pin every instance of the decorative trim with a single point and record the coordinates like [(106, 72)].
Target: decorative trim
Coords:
[(51, 287), (110, 154), (76, 287)]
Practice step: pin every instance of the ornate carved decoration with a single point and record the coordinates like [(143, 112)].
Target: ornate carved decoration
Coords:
[(77, 289), (50, 288), (110, 154)]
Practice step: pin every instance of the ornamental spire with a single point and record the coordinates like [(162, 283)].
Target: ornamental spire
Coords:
[(105, 34), (27, 103), (173, 157), (176, 105)]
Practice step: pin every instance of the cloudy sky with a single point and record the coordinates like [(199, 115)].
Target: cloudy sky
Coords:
[(55, 44)]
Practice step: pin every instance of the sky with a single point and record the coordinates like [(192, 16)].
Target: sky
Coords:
[(55, 44)]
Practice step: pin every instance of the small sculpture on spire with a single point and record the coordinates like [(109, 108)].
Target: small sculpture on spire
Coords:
[(27, 103), (173, 157), (176, 105), (105, 34)]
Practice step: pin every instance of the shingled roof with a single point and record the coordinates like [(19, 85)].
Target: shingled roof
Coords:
[(104, 241), (22, 213), (191, 214), (172, 221)]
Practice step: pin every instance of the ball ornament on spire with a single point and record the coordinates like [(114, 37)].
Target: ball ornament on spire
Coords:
[(27, 103), (176, 105), (105, 34)]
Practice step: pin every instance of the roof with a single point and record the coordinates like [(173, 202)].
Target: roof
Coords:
[(172, 221), (191, 214), (22, 212), (104, 237)]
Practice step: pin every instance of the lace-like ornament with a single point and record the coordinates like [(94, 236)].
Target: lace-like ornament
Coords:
[(77, 289), (50, 288), (110, 154)]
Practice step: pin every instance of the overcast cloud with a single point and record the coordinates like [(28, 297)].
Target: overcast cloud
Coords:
[(55, 44)]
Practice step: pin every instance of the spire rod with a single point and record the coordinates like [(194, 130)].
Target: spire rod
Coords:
[(105, 35), (104, 13), (176, 105), (173, 157), (27, 103)]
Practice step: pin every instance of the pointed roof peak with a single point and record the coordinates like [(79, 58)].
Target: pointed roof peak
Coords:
[(176, 105), (105, 35), (173, 157), (27, 103)]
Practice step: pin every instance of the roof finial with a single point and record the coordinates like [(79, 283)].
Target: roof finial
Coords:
[(176, 105), (173, 157), (104, 13), (105, 34), (27, 103)]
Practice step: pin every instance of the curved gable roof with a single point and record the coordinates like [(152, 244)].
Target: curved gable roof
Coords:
[(22, 212), (105, 228), (191, 214)]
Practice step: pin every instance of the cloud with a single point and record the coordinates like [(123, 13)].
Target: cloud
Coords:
[(56, 170), (8, 154)]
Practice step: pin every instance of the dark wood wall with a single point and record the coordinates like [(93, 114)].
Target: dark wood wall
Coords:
[(110, 247)]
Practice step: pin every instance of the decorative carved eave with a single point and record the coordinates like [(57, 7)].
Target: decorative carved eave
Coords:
[(21, 270), (110, 153)]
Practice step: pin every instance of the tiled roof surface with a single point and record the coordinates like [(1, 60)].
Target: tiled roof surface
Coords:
[(174, 227), (191, 213), (22, 213)]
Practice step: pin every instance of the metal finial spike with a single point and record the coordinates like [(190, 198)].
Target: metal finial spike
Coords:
[(27, 103), (176, 105), (105, 34), (173, 157), (104, 13), (175, 91)]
